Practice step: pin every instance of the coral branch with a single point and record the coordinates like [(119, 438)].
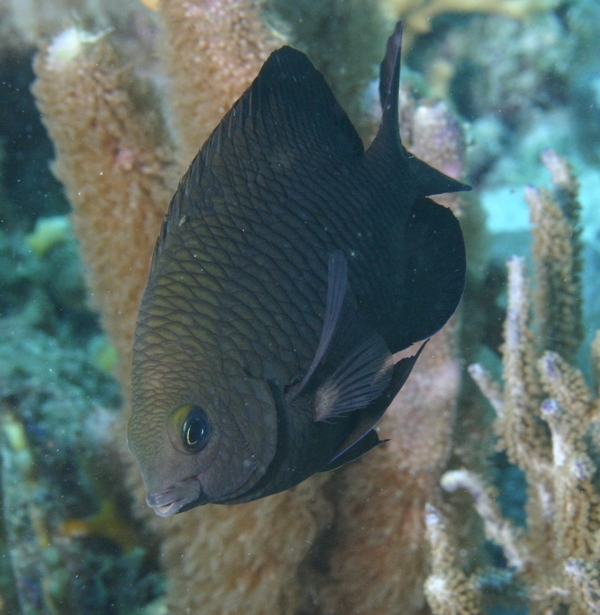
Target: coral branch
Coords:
[(112, 157), (212, 52), (557, 257), (448, 590), (521, 433), (488, 387), (567, 385), (497, 529), (585, 582)]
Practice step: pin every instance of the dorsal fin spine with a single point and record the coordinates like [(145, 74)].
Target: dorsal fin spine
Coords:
[(389, 84), (387, 142)]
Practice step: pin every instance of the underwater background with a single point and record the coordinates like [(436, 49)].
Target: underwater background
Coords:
[(486, 499)]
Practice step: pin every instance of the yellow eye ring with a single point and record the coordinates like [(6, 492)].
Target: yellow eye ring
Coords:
[(189, 429)]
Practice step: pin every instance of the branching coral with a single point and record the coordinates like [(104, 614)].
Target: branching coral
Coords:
[(546, 418), (418, 13), (557, 255), (449, 591)]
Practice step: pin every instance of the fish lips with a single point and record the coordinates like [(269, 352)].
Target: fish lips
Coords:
[(180, 497)]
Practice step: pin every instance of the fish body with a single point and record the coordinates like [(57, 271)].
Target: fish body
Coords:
[(291, 265)]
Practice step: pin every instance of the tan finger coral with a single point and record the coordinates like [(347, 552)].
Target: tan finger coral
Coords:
[(115, 161), (449, 591), (556, 251), (212, 51)]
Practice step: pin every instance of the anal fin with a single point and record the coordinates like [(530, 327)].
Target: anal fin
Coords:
[(435, 267), (358, 449)]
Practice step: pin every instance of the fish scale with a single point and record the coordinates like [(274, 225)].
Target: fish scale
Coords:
[(290, 266), (222, 282)]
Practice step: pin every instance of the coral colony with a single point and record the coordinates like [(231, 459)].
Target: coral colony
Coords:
[(409, 526)]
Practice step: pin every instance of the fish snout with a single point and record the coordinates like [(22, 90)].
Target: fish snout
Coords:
[(181, 496)]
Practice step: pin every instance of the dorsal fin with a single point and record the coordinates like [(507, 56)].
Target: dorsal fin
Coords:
[(389, 83), (427, 179), (288, 116), (430, 181), (288, 105)]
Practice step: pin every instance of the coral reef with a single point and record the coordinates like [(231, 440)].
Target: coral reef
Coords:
[(546, 422), (57, 468), (127, 110), (419, 14)]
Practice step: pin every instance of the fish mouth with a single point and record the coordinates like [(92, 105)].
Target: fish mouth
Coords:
[(181, 496)]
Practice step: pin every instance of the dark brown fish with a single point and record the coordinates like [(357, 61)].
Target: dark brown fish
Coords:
[(290, 267)]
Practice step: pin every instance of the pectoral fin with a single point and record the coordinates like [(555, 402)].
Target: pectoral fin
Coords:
[(362, 376), (353, 447)]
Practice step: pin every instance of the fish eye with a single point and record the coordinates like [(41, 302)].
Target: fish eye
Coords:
[(195, 431), (189, 429)]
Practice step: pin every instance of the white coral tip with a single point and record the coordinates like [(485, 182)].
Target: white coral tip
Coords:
[(67, 46)]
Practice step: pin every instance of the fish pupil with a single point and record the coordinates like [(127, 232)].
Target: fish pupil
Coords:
[(195, 430)]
